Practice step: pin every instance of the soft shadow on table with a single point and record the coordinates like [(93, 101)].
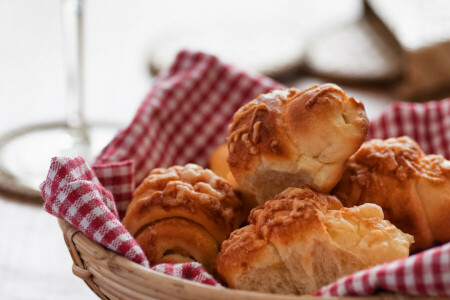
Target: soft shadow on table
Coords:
[(12, 197)]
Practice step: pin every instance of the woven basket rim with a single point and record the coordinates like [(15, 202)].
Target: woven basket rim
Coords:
[(81, 243)]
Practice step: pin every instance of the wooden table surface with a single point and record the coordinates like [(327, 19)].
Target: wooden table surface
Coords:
[(34, 261)]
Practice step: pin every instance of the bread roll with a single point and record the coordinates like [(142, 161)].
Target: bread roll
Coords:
[(218, 161), (183, 213), (412, 188), (249, 262), (219, 165), (303, 240), (291, 137)]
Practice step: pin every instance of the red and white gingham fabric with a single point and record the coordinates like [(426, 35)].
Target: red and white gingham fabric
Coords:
[(191, 271), (423, 274), (427, 123), (72, 192), (183, 118), (118, 178)]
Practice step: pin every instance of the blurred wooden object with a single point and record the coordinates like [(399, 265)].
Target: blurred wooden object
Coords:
[(403, 42), (360, 52), (267, 38), (422, 31), (241, 46)]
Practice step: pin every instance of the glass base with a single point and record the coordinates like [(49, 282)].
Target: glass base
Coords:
[(25, 153)]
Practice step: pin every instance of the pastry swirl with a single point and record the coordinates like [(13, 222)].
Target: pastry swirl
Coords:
[(183, 213)]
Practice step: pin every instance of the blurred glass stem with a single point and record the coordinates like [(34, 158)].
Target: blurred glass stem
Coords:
[(72, 19)]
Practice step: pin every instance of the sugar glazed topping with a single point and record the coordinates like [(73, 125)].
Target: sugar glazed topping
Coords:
[(267, 111), (401, 157), (249, 132), (247, 122), (191, 187), (293, 204), (304, 214)]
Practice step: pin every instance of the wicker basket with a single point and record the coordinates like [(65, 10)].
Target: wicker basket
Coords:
[(112, 276)]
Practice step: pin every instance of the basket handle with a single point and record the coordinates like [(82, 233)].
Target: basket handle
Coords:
[(81, 272)]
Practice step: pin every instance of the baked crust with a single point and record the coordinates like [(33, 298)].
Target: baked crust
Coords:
[(178, 240), (292, 209), (314, 237), (246, 253), (191, 193), (218, 161), (291, 137), (412, 188)]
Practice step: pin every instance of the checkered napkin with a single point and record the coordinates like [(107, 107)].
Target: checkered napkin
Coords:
[(427, 123), (181, 120), (73, 192), (424, 274)]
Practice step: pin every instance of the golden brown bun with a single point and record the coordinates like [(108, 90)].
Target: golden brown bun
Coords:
[(412, 188), (311, 239), (219, 165), (291, 137), (231, 180), (248, 261), (183, 213), (178, 240), (218, 161)]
